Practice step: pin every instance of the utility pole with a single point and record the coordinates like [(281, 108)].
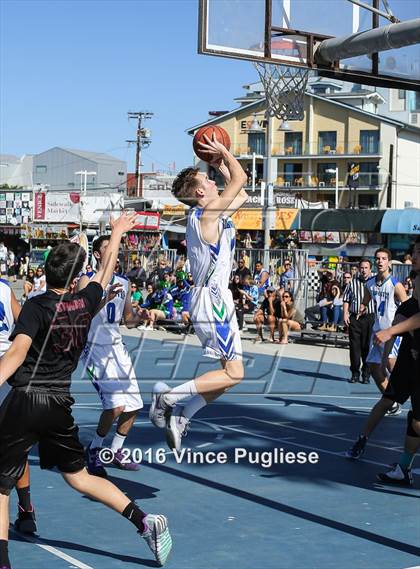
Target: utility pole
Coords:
[(143, 140), (83, 191)]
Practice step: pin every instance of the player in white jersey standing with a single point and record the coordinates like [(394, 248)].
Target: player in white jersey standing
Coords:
[(9, 311), (387, 293), (211, 245), (109, 366)]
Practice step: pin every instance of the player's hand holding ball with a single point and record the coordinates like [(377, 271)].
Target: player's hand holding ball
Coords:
[(211, 143)]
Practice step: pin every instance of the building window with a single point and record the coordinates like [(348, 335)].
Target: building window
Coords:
[(293, 143), (41, 169), (256, 143), (369, 174), (293, 174), (369, 141), (401, 94), (326, 174), (327, 141)]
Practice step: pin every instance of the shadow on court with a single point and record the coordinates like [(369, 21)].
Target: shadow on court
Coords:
[(330, 514)]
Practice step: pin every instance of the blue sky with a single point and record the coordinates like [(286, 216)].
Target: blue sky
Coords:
[(72, 69)]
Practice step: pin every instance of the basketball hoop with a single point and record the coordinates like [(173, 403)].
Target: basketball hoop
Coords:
[(284, 88)]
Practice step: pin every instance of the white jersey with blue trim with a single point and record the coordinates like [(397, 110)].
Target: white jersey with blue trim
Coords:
[(210, 263), (105, 327), (6, 316), (383, 300)]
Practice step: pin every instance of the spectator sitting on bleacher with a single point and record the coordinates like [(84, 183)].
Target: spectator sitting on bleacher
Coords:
[(162, 268), (136, 296), (266, 314), (289, 318), (237, 296), (250, 295), (137, 274), (181, 294), (158, 306), (332, 309), (286, 275), (242, 270), (261, 278)]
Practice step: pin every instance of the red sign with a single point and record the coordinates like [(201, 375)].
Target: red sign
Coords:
[(147, 221), (39, 205)]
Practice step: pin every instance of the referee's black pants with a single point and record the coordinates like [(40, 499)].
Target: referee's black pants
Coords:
[(360, 332)]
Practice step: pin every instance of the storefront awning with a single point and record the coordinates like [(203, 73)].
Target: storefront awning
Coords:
[(361, 220), (401, 221)]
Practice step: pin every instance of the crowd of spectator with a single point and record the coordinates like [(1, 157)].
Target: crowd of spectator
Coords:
[(262, 295)]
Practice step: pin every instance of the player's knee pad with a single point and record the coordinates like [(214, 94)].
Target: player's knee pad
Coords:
[(410, 430)]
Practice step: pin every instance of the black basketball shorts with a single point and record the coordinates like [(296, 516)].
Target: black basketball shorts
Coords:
[(404, 382), (28, 417)]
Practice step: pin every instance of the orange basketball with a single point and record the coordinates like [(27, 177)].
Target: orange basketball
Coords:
[(220, 134)]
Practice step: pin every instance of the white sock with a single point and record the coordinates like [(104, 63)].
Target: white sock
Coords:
[(97, 441), (194, 405), (181, 392), (118, 442)]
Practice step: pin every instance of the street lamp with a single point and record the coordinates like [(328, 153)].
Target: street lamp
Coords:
[(83, 188), (257, 129), (334, 171)]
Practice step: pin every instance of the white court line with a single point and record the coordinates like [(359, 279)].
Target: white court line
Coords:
[(96, 424), (313, 432), (53, 550), (321, 450), (283, 404)]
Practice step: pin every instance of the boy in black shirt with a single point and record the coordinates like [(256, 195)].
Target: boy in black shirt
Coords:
[(49, 336)]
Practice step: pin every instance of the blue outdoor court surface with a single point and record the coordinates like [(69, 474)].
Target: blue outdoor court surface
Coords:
[(332, 514)]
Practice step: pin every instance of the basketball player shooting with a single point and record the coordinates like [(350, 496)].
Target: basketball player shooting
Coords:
[(210, 249)]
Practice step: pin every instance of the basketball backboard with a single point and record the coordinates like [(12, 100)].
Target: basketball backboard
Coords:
[(289, 32)]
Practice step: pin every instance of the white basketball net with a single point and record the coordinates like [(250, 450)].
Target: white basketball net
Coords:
[(284, 88)]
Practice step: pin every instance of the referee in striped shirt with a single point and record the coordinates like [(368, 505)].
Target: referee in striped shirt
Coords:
[(360, 329)]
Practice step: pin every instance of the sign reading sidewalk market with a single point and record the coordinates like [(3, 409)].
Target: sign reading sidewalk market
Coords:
[(59, 207)]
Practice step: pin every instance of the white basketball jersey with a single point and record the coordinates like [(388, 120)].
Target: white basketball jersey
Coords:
[(6, 316), (384, 301), (105, 327), (210, 263)]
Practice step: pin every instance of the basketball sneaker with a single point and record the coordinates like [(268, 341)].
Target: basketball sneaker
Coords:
[(25, 522), (357, 449), (176, 428), (354, 378), (94, 464), (159, 409), (124, 463), (395, 410), (157, 537), (397, 475)]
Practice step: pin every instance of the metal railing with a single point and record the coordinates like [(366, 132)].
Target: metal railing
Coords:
[(299, 262), (314, 148), (148, 258)]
